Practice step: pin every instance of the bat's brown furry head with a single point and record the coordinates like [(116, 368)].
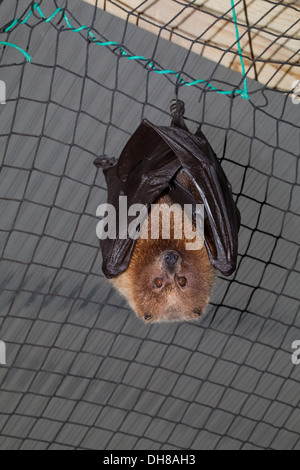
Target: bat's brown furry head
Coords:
[(166, 282)]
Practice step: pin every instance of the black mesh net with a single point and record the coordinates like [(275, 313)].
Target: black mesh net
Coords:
[(81, 370)]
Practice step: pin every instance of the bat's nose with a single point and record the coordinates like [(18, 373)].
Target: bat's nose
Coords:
[(170, 258)]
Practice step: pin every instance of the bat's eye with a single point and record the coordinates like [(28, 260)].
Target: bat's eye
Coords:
[(197, 312), (158, 282), (182, 281)]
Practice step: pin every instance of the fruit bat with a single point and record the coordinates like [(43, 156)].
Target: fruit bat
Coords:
[(165, 165)]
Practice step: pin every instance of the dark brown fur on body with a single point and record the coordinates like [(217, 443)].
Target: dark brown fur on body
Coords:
[(164, 280)]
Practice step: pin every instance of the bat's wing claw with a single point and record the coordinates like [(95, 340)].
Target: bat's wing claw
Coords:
[(104, 162)]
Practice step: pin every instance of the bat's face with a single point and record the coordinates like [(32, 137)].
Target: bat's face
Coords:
[(165, 282)]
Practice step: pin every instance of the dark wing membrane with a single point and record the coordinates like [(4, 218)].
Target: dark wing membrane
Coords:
[(144, 144), (147, 167), (145, 177), (200, 162)]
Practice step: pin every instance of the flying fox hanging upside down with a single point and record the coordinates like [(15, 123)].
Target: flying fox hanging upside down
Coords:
[(161, 279)]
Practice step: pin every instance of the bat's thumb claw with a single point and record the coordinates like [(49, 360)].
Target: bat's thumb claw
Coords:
[(104, 162)]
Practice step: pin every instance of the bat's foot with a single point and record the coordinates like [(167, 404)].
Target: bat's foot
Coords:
[(177, 112), (177, 107), (104, 162)]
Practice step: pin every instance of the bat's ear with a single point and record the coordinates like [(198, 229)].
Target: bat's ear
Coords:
[(147, 316), (177, 112)]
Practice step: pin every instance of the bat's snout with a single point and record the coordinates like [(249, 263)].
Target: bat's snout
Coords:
[(170, 259)]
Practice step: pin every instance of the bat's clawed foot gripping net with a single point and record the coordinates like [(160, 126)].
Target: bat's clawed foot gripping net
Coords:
[(177, 109)]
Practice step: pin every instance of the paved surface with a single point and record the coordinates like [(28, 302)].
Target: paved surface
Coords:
[(82, 371)]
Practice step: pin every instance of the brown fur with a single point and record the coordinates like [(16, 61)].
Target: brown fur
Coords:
[(171, 302)]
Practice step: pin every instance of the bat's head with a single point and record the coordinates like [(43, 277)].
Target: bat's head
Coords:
[(166, 282)]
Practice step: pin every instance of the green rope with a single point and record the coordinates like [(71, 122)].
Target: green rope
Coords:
[(243, 93), (28, 57)]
